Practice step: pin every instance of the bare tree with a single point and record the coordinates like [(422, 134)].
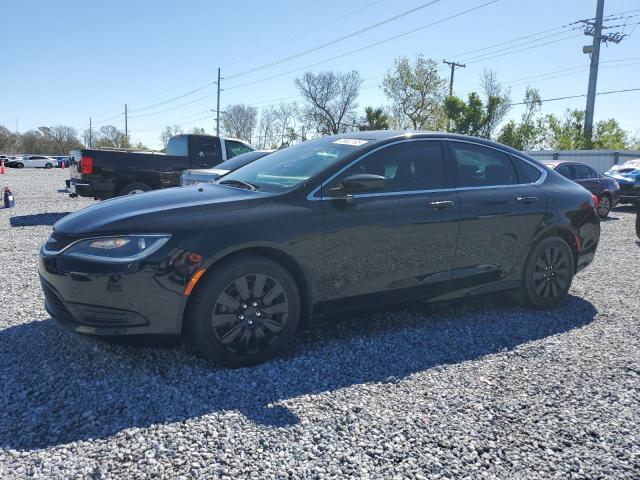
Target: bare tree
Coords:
[(240, 121), (198, 131), (169, 132), (111, 137), (330, 100), (494, 92), (267, 128), (286, 114), (417, 92)]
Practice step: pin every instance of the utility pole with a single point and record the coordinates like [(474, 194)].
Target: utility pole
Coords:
[(594, 29), (90, 133), (453, 66), (126, 126), (218, 107)]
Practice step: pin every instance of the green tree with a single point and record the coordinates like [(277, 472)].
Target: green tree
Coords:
[(374, 119), (471, 117), (608, 135), (417, 93), (565, 133), (530, 131)]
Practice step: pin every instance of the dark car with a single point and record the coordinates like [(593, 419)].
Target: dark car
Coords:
[(193, 177), (605, 188), (104, 173), (339, 223)]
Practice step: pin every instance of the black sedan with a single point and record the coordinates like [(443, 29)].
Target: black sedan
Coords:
[(343, 222), (605, 188)]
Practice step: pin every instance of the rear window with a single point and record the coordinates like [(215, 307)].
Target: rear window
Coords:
[(527, 173), (178, 146)]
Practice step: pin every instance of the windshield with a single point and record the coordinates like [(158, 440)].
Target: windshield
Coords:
[(292, 166)]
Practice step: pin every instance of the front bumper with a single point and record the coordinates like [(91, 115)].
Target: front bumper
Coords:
[(118, 299), (629, 192)]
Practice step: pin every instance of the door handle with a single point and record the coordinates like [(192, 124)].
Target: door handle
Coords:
[(440, 205), (527, 199)]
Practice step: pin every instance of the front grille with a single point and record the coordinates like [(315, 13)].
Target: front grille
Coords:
[(54, 305), (58, 241)]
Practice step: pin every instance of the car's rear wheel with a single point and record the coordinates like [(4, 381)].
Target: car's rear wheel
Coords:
[(135, 188), (547, 274), (48, 166), (246, 311), (604, 205), (19, 165)]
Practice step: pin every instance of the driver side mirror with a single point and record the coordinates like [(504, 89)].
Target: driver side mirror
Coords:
[(359, 183)]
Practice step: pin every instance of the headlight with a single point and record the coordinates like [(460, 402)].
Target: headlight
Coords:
[(126, 248)]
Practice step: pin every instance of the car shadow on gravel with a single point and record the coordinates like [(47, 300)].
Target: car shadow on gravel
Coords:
[(58, 387), (37, 220)]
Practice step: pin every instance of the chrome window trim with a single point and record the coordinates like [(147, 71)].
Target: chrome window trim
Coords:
[(543, 173)]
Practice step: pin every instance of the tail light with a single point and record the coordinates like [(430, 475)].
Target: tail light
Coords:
[(86, 165)]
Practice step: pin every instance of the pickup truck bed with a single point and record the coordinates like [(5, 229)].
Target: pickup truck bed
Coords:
[(103, 173)]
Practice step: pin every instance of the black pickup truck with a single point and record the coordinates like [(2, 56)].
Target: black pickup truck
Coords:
[(104, 173)]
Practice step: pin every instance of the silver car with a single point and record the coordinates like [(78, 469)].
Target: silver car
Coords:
[(193, 177)]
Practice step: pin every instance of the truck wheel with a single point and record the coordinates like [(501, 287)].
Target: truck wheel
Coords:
[(135, 188)]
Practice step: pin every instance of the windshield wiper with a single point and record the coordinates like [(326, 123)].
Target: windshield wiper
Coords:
[(239, 184)]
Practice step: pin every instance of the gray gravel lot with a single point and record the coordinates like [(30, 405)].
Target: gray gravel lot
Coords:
[(477, 390)]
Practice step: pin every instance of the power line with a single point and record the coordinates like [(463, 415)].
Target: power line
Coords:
[(394, 37), (334, 41), (577, 96), (296, 37)]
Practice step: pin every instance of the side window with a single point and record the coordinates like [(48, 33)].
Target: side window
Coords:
[(407, 166), (566, 171), (483, 167), (527, 173), (205, 151), (583, 172), (234, 148)]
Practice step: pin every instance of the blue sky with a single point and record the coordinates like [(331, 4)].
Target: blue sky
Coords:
[(66, 60)]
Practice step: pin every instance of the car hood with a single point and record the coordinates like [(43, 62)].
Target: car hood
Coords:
[(625, 174), (165, 210)]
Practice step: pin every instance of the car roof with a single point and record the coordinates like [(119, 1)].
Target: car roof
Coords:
[(557, 163)]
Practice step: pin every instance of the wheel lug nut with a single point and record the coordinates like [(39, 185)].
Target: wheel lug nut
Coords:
[(258, 314), (254, 304), (240, 317), (244, 305), (250, 322)]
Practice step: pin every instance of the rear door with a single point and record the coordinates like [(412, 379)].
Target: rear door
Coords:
[(400, 241), (501, 209), (588, 178)]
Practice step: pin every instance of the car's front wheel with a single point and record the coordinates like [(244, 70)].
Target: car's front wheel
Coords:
[(604, 205), (245, 312), (48, 166), (547, 274)]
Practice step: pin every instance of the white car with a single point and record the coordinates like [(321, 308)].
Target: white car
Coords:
[(36, 161)]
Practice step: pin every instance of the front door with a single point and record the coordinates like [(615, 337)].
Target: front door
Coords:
[(501, 211), (399, 242)]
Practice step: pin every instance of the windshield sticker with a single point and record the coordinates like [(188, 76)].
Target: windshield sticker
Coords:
[(351, 141)]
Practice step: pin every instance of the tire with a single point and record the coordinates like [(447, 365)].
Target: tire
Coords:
[(638, 224), (547, 275), (19, 165), (48, 166), (604, 205), (135, 188), (245, 312)]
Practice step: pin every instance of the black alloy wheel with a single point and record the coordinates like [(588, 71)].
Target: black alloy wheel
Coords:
[(547, 274), (244, 311), (604, 206), (250, 313)]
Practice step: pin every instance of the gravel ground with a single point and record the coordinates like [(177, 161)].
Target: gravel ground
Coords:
[(476, 390)]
